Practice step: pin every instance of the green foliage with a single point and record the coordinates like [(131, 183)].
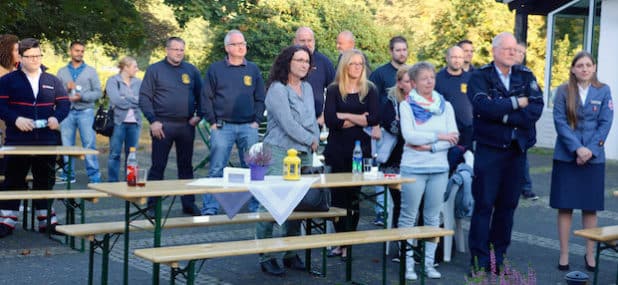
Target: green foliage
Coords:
[(114, 22)]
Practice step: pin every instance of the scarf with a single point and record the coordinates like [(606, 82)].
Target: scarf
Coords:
[(422, 108)]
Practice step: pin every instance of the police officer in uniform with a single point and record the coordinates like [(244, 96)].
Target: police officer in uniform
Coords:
[(506, 104)]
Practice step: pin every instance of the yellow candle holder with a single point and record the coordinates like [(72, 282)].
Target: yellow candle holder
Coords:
[(291, 165)]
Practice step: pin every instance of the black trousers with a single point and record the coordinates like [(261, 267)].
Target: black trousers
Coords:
[(16, 170), (181, 134)]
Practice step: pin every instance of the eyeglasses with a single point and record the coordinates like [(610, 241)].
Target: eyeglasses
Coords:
[(509, 49), (32, 57), (300, 60), (241, 44), (356, 64), (176, 49)]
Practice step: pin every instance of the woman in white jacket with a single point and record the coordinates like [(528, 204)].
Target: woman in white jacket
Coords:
[(429, 129)]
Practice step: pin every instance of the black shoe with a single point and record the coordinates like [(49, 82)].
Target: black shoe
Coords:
[(529, 195), (563, 267), (588, 266), (272, 267), (294, 263), (52, 230), (5, 231), (193, 211)]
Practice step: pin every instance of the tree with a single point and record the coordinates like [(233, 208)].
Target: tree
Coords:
[(116, 22)]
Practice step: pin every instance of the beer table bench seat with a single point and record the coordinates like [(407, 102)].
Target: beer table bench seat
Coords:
[(174, 255), (109, 229)]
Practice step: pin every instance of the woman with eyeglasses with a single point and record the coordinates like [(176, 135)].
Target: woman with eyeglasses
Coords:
[(291, 124), (351, 104)]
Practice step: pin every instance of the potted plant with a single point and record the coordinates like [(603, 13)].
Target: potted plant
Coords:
[(258, 158)]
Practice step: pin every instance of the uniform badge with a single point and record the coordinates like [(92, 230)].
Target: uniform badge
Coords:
[(185, 78), (610, 104), (463, 88), (247, 80), (534, 86)]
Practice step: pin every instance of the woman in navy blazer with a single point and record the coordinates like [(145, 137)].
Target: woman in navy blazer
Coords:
[(583, 113)]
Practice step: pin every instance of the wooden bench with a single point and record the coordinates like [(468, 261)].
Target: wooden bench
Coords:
[(173, 255), (67, 197), (110, 229), (605, 237)]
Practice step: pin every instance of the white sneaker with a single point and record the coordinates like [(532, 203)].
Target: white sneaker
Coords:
[(431, 272), (411, 275)]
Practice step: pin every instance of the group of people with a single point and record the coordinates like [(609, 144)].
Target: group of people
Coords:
[(490, 111)]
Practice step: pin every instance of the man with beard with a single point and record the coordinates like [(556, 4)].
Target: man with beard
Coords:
[(84, 88), (452, 83)]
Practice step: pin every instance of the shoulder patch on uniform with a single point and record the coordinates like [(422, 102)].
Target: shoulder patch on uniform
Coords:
[(534, 86), (610, 104)]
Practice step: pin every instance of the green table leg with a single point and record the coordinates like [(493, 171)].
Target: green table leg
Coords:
[(422, 244), (90, 263), (125, 269), (596, 259), (402, 263), (157, 241), (105, 259), (191, 273)]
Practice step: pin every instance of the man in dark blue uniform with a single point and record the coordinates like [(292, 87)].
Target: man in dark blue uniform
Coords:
[(506, 104), (322, 70), (452, 83), (169, 98)]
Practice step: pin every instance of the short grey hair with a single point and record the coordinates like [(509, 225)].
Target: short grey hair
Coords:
[(169, 41), (416, 69), (229, 34), (498, 39)]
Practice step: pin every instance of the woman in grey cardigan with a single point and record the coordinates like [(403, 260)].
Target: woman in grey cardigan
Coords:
[(291, 124), (123, 92)]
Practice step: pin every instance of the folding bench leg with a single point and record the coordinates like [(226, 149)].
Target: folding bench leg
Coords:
[(596, 259)]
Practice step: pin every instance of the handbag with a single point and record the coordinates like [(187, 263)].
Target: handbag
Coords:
[(104, 119), (316, 200)]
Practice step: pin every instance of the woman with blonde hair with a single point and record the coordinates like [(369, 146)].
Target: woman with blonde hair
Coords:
[(583, 114), (351, 104), (123, 92)]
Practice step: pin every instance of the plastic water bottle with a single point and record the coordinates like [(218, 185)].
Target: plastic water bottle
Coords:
[(132, 167), (357, 159)]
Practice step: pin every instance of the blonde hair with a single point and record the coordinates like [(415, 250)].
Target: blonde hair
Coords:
[(342, 78), (125, 62), (396, 93)]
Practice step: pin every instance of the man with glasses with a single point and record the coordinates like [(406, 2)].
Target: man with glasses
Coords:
[(32, 104), (506, 102), (170, 100), (82, 83), (234, 105)]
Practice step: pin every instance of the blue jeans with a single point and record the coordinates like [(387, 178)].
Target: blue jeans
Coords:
[(221, 142), (82, 120), (127, 134)]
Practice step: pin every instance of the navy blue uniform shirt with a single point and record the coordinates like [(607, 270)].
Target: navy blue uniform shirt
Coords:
[(322, 73), (498, 120), (234, 93)]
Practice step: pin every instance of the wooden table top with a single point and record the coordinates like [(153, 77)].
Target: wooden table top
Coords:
[(45, 150), (179, 187)]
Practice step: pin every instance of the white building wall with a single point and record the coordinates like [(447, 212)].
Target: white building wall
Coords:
[(607, 66)]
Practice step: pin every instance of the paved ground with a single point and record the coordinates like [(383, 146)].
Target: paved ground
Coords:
[(29, 258)]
